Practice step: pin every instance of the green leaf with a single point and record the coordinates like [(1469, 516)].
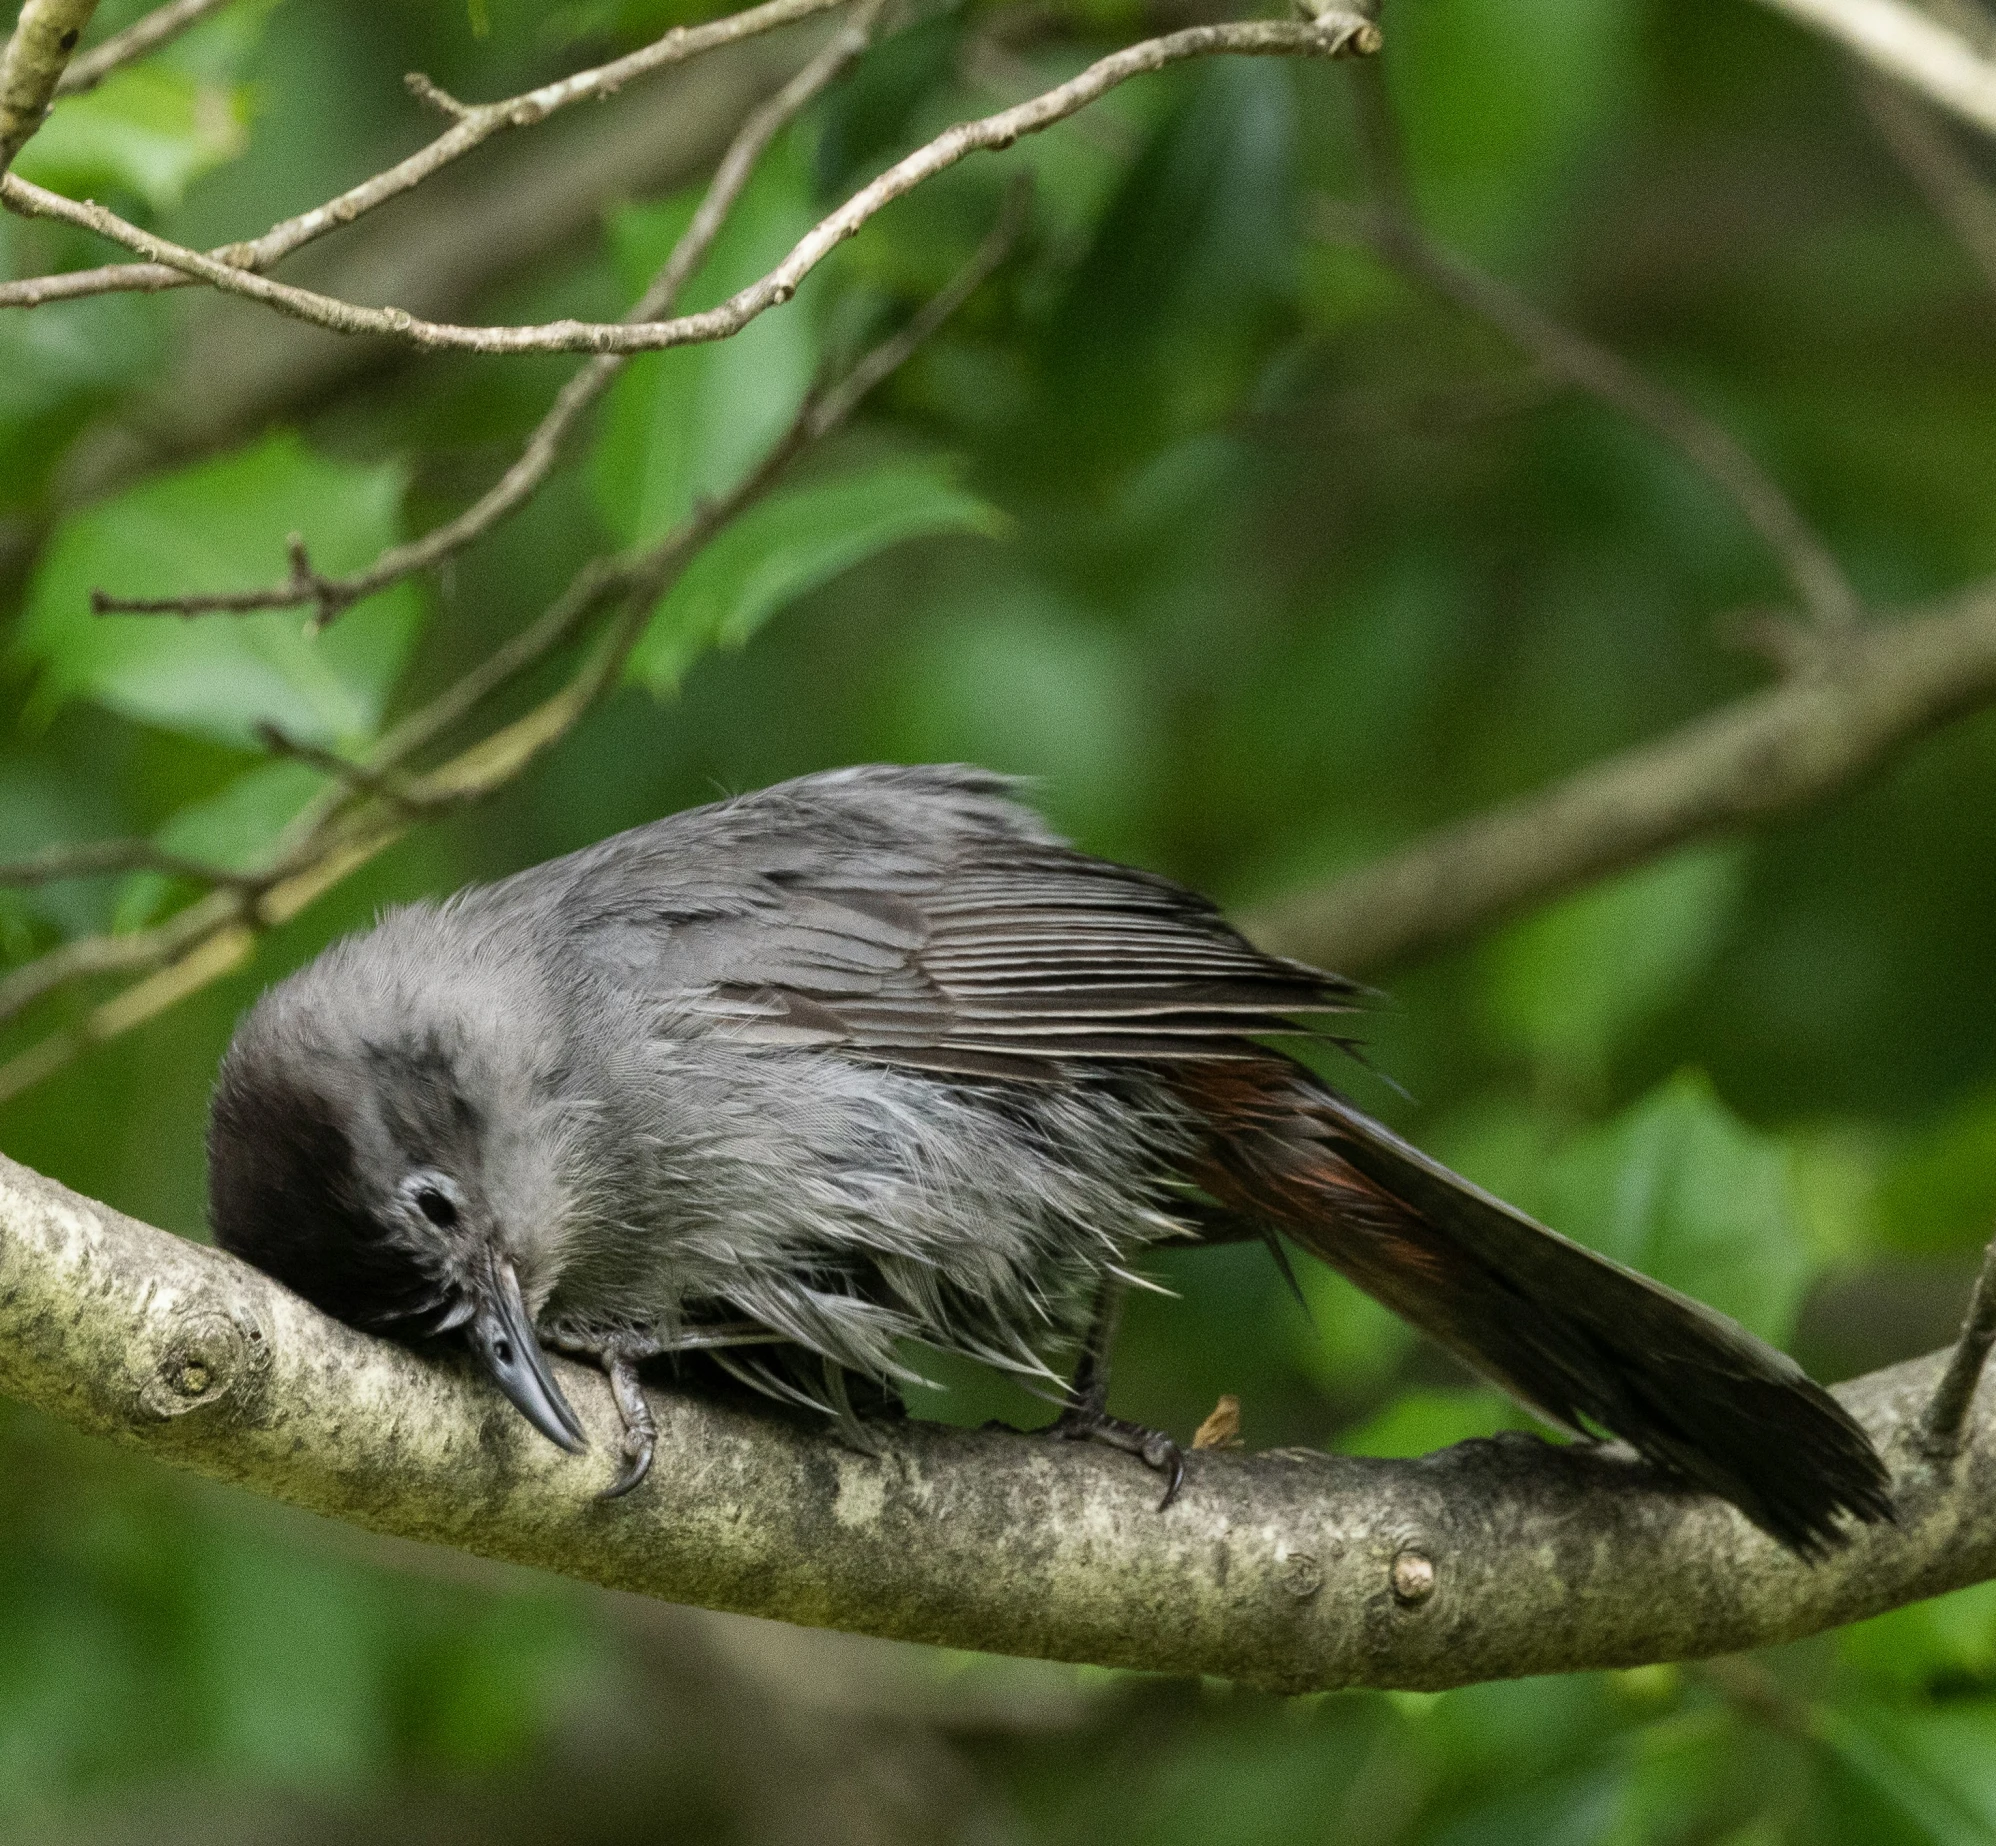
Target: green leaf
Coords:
[(1498, 123), (689, 423), (1938, 1193), (233, 829), (1946, 1639), (58, 363), (788, 545), (70, 350), (40, 811), (1570, 985), (221, 526), (148, 129), (1933, 1771), (1681, 1189)]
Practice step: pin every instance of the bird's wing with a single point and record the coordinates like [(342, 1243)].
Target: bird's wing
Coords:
[(925, 918)]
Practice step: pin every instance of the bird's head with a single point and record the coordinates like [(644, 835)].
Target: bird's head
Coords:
[(366, 1148)]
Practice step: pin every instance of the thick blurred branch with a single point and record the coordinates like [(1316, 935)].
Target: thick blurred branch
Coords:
[(1868, 695), (32, 64), (1909, 44), (1959, 195), (1288, 1570)]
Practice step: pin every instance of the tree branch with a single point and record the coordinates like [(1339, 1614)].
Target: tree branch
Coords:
[(475, 126), (1958, 194), (1909, 44), (1812, 569), (1775, 753), (1289, 1570), (1943, 1425), (331, 596), (45, 35), (1331, 37), (141, 38)]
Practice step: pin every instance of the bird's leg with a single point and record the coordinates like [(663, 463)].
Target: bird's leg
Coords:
[(1086, 1417), (621, 1353), (640, 1432)]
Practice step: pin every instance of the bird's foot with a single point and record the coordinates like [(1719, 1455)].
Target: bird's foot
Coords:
[(1152, 1447), (640, 1432)]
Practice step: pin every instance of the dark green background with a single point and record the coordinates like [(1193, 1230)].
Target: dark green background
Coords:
[(1261, 561)]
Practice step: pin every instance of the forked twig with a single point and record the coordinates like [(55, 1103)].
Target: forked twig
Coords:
[(332, 596), (371, 806), (1334, 36), (1391, 228)]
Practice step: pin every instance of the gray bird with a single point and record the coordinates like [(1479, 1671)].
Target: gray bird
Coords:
[(870, 1060)]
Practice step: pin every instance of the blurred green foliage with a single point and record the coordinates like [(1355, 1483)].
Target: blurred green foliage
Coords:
[(1259, 561)]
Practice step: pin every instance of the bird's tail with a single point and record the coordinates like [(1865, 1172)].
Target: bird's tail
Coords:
[(1581, 1339)]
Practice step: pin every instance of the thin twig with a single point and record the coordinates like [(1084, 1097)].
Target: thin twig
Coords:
[(478, 125), (352, 823), (1959, 195), (1393, 231), (140, 38), (133, 953), (1810, 567), (1334, 37), (43, 41), (1946, 1415), (304, 585), (331, 596), (391, 791), (101, 858)]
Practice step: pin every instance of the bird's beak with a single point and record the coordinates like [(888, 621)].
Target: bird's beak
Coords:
[(502, 1334)]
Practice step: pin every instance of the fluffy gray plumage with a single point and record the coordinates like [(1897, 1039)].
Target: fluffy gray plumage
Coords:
[(634, 1043), (870, 1058)]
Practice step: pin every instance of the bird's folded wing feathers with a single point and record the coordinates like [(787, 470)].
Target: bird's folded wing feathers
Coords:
[(924, 918)]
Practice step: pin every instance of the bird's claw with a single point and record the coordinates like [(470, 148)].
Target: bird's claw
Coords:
[(638, 1446), (1157, 1451), (640, 1432)]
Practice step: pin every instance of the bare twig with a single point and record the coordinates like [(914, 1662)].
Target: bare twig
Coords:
[(140, 38), (1333, 37), (1909, 44), (1818, 580), (434, 96), (371, 807), (1775, 753), (1392, 229), (392, 791), (477, 125), (1959, 195), (133, 953), (101, 858), (303, 585), (331, 596), (1946, 1414), (44, 39)]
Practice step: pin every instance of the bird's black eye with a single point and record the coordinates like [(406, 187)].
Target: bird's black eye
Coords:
[(436, 1207)]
